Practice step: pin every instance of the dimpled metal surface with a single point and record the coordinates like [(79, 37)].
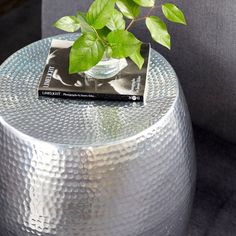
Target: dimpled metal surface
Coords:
[(93, 168)]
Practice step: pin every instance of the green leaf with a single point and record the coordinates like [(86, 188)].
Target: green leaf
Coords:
[(173, 13), (122, 43), (137, 58), (85, 53), (103, 33), (109, 51), (128, 8), (117, 21), (67, 23), (85, 27), (158, 31), (99, 13), (145, 3)]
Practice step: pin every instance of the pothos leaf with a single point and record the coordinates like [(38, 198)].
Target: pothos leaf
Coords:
[(122, 43), (67, 23), (158, 31), (173, 13), (128, 8), (85, 53), (145, 3), (117, 21), (137, 58), (85, 27), (99, 13)]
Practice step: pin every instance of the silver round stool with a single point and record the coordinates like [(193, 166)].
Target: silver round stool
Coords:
[(93, 168)]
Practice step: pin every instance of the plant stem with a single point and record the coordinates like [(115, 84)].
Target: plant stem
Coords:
[(141, 18), (103, 41), (130, 24), (150, 10)]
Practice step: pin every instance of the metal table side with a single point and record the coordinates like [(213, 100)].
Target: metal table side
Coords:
[(93, 168)]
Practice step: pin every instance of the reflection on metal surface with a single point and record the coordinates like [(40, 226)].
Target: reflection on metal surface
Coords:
[(93, 168)]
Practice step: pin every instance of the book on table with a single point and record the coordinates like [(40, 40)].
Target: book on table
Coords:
[(128, 84)]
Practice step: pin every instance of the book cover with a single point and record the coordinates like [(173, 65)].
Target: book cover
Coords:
[(128, 84)]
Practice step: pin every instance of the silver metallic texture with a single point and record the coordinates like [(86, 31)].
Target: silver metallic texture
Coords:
[(93, 168)]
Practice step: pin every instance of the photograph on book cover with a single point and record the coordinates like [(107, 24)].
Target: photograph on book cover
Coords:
[(130, 81)]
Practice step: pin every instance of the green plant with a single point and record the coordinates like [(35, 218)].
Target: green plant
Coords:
[(103, 29)]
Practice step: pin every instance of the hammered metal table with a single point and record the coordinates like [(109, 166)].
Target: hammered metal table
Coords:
[(93, 168)]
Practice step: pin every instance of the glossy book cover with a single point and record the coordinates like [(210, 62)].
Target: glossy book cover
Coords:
[(128, 84)]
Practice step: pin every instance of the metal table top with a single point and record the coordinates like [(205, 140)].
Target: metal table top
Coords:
[(79, 122)]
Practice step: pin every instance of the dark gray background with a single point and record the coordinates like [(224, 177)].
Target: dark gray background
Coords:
[(19, 27)]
